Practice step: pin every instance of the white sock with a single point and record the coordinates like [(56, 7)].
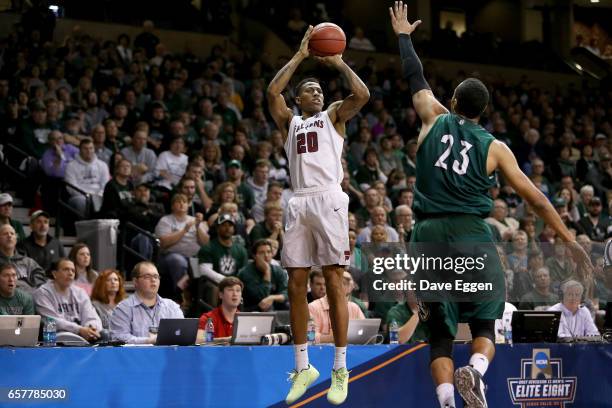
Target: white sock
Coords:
[(446, 395), (340, 358), (300, 352), (480, 362)]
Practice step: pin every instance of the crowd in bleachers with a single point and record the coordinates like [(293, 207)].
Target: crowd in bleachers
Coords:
[(184, 148)]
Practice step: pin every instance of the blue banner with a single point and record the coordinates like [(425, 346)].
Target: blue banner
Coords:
[(542, 375)]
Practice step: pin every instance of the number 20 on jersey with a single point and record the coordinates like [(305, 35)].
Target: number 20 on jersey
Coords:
[(307, 142)]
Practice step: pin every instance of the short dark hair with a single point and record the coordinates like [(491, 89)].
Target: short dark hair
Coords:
[(472, 98), (315, 273), (7, 266), (298, 87), (258, 243)]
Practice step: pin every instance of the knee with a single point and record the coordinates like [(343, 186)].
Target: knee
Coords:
[(483, 328), (175, 261), (441, 346)]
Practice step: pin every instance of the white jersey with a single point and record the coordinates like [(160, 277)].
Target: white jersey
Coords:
[(314, 150)]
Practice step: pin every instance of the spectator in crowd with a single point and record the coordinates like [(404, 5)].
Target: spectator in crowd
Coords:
[(316, 284), (272, 225), (403, 222), (230, 298), (135, 320), (372, 200), (13, 301), (505, 225), (274, 194), (360, 41), (595, 224), (57, 155), (29, 274), (67, 303), (246, 198), (181, 237), (147, 40), (265, 284), (541, 296), (586, 194), (117, 197), (222, 256), (98, 136), (40, 246), (560, 265), (144, 212), (378, 218), (34, 131), (187, 186), (259, 182), (89, 174), (195, 171), (6, 213), (561, 206), (319, 311), (171, 164), (518, 258), (370, 171), (406, 315), (85, 275), (142, 158), (576, 320), (108, 291)]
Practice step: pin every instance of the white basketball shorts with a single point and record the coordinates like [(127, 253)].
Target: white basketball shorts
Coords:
[(316, 228)]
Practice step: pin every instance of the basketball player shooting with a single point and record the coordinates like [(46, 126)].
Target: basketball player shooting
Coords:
[(456, 161), (317, 215)]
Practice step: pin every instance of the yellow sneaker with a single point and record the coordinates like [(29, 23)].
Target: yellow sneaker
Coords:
[(300, 381), (339, 386)]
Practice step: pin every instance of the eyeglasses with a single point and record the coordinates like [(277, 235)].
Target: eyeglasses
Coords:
[(150, 277)]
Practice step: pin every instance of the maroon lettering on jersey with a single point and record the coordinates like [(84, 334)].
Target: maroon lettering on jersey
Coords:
[(307, 142)]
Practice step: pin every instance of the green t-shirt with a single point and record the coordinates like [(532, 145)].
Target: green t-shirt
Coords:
[(20, 304), (256, 289), (225, 260), (401, 313), (451, 169)]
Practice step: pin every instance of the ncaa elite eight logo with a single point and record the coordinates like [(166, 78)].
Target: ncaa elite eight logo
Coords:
[(542, 383)]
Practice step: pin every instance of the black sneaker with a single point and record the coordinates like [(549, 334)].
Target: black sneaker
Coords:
[(471, 387)]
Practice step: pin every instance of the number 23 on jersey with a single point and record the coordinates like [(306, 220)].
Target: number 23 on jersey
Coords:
[(458, 167)]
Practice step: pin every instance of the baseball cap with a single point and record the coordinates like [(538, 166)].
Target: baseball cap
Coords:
[(39, 213), (559, 202), (225, 218), (5, 198), (234, 163), (600, 136)]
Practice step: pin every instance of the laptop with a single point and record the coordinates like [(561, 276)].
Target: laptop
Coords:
[(177, 332), (363, 331), (250, 327), (532, 326), (19, 330)]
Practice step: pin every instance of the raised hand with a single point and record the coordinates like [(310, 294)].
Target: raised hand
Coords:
[(399, 19), (331, 60), (304, 45)]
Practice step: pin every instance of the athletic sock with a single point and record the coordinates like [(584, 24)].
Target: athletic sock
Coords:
[(480, 362), (446, 395), (340, 358), (300, 352)]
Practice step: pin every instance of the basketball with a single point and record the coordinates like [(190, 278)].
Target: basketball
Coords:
[(327, 39)]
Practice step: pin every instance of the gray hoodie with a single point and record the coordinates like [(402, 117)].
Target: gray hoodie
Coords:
[(30, 275), (89, 177), (71, 310)]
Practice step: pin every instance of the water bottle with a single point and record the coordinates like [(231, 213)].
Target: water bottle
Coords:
[(310, 335), (393, 333), (49, 332), (507, 332), (209, 334)]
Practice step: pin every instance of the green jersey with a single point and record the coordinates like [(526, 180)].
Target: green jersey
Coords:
[(451, 169)]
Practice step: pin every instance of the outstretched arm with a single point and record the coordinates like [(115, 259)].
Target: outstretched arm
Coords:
[(500, 156), (425, 103), (276, 102), (341, 111)]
